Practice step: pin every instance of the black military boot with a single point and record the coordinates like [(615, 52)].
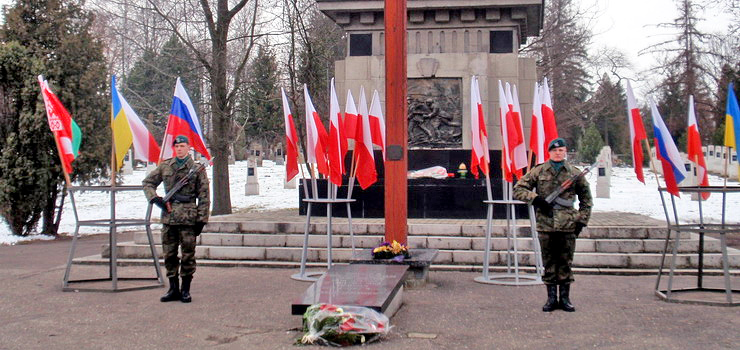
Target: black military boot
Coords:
[(185, 295), (552, 298), (174, 292), (565, 298)]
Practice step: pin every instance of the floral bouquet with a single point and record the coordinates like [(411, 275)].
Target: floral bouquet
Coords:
[(394, 250), (327, 324)]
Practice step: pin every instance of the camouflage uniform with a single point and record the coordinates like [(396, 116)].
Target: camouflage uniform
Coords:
[(178, 226), (557, 237)]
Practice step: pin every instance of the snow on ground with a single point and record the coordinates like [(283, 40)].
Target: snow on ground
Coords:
[(627, 195)]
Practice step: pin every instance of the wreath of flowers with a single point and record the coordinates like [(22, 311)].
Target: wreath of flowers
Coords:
[(388, 250), (327, 324)]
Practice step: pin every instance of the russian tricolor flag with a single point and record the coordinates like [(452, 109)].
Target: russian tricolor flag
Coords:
[(666, 150), (183, 121)]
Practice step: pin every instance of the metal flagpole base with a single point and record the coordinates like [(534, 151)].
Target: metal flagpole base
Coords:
[(515, 278), (311, 276), (307, 276), (112, 223)]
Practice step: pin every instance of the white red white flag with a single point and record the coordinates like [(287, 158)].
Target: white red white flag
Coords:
[(291, 141), (316, 137), (479, 155), (637, 132)]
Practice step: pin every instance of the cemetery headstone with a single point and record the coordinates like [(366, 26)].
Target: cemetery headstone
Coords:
[(604, 173), (252, 187)]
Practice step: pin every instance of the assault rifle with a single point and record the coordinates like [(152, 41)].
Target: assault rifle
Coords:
[(184, 181), (552, 197)]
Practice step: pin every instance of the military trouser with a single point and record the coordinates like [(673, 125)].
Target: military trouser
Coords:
[(172, 237), (557, 256)]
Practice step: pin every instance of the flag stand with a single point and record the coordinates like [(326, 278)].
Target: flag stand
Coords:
[(701, 228), (330, 199), (517, 277), (112, 223)]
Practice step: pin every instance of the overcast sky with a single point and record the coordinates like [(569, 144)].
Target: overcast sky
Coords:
[(630, 25)]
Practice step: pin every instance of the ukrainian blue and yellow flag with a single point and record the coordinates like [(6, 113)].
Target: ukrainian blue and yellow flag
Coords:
[(732, 119), (122, 136)]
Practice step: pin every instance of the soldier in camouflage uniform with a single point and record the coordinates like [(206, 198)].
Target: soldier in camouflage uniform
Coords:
[(183, 217), (559, 223)]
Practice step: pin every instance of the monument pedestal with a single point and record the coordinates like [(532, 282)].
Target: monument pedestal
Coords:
[(379, 287)]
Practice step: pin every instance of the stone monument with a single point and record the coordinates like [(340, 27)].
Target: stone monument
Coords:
[(604, 172), (448, 42), (128, 166), (252, 187)]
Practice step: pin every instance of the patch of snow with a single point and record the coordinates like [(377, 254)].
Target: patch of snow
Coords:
[(627, 195)]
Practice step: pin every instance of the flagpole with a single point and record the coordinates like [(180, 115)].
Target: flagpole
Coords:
[(652, 165), (352, 172), (61, 159), (727, 162)]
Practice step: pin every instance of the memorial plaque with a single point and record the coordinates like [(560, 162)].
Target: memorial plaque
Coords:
[(250, 171), (435, 112), (373, 286)]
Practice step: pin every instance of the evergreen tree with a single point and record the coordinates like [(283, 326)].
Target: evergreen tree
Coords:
[(53, 38), (590, 145), (606, 109), (264, 117), (151, 82)]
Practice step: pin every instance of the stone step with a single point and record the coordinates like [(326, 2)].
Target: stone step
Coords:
[(100, 260), (445, 256), (438, 242), (427, 229)]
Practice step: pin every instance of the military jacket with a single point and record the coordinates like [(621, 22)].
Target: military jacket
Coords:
[(193, 200), (545, 180)]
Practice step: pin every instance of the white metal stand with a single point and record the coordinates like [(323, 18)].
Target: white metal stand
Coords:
[(303, 275), (113, 224), (512, 277)]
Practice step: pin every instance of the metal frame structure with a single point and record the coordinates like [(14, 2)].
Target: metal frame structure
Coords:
[(303, 275), (112, 223), (515, 277), (701, 228)]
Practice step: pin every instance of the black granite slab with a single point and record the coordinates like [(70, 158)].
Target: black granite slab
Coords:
[(418, 262), (373, 286)]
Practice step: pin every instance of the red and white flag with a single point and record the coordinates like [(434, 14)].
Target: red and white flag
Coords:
[(694, 149), (479, 155), (67, 134), (504, 116), (365, 172), (377, 123), (291, 141), (350, 116), (316, 137), (548, 117), (537, 130), (520, 149), (337, 139), (637, 132)]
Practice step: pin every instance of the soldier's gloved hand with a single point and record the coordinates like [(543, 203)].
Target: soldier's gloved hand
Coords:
[(579, 228), (198, 228), (540, 203), (158, 201)]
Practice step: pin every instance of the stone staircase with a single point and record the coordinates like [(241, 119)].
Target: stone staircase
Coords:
[(600, 249)]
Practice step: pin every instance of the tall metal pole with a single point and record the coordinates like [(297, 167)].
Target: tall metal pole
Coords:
[(396, 163)]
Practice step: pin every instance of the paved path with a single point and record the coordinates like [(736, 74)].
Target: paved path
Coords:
[(249, 308)]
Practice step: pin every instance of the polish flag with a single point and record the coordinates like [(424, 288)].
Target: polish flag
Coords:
[(337, 139), (291, 141), (377, 123), (504, 116), (637, 132), (537, 131), (667, 152), (316, 137), (548, 117), (350, 116), (520, 149), (694, 148), (479, 156), (365, 172)]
